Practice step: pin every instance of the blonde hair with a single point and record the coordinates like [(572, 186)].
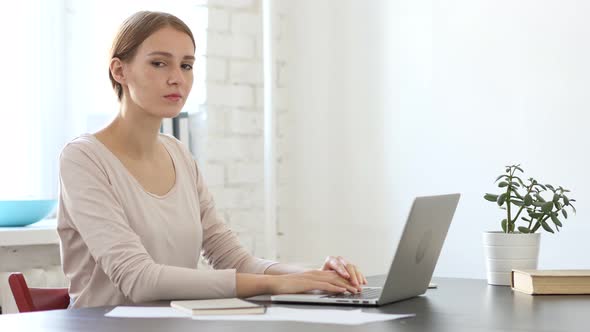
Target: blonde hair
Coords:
[(137, 28)]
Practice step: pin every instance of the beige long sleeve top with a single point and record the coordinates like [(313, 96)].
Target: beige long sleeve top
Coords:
[(121, 244)]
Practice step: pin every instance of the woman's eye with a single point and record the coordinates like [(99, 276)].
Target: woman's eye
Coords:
[(158, 64), (186, 66)]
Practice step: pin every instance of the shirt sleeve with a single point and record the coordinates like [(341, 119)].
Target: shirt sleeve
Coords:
[(92, 208), (221, 246)]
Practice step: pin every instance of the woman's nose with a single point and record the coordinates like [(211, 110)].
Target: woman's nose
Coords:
[(176, 77)]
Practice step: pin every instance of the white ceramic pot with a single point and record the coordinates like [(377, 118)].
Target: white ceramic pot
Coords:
[(505, 252)]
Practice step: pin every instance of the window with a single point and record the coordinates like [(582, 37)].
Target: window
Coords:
[(55, 84)]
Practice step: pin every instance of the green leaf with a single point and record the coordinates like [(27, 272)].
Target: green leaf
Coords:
[(564, 213), (501, 176), (539, 204), (555, 198), (518, 195), (514, 184), (536, 215), (491, 197), (542, 186), (528, 200), (501, 199), (558, 205), (566, 200), (525, 219), (547, 207), (546, 227), (519, 180), (510, 227), (550, 187), (517, 202), (574, 208), (523, 230), (555, 220), (539, 198), (502, 184), (504, 222), (520, 169), (536, 227)]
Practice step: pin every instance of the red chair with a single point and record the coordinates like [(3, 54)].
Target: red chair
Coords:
[(36, 299)]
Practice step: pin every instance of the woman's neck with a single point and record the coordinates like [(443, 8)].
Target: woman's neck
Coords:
[(134, 132)]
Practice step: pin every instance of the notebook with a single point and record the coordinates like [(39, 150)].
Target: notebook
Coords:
[(551, 281), (232, 306)]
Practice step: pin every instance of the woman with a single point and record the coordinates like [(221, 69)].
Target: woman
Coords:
[(134, 210)]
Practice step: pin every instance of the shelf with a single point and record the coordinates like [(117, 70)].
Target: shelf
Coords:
[(42, 232)]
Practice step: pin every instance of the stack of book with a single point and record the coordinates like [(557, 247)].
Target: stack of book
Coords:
[(538, 282), (218, 307)]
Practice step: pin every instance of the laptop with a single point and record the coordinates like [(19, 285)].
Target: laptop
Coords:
[(413, 263)]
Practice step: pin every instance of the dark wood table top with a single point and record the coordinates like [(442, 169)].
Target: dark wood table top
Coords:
[(456, 305)]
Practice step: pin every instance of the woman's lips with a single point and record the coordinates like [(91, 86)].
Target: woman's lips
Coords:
[(173, 97)]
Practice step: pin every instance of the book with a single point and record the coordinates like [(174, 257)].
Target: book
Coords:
[(232, 306), (551, 281)]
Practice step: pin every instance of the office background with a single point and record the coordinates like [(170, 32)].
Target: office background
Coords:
[(371, 103)]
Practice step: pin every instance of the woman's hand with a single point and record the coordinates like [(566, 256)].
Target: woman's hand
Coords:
[(346, 270), (328, 281)]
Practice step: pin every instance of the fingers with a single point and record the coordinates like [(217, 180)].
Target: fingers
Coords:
[(360, 277), (355, 277), (353, 272), (346, 270), (326, 286), (334, 263), (333, 278), (347, 285)]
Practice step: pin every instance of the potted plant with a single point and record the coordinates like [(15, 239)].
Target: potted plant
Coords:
[(530, 206)]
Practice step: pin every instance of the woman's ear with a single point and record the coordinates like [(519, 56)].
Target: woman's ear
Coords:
[(116, 68)]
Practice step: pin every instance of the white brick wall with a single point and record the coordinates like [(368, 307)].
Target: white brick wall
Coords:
[(230, 95), (247, 72), (224, 44), (246, 122), (234, 147), (247, 24), (231, 4), (216, 69), (218, 20), (245, 173), (231, 149)]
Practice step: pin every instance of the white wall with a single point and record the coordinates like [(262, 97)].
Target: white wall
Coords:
[(339, 173), (391, 99)]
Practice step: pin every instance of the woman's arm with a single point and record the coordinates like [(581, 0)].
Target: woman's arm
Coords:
[(279, 269), (256, 284)]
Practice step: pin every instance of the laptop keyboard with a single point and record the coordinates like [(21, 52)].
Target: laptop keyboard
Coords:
[(367, 294)]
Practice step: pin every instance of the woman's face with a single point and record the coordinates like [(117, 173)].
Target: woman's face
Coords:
[(160, 76)]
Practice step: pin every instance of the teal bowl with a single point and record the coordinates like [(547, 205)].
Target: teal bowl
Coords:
[(24, 212)]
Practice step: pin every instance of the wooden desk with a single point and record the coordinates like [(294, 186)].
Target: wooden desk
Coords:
[(456, 305)]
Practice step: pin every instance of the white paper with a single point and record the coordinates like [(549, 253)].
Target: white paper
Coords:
[(146, 312), (324, 316)]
